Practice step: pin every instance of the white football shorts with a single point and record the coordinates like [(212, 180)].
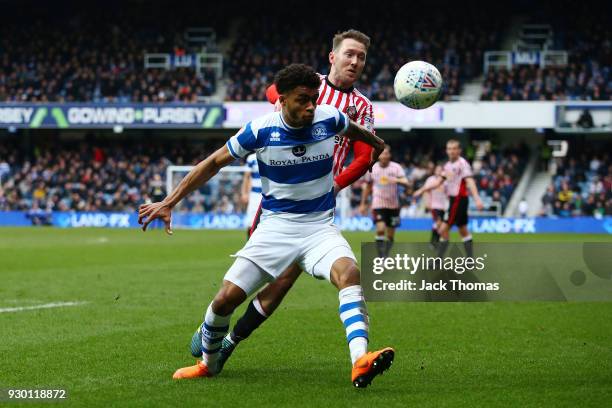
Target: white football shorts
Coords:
[(276, 244)]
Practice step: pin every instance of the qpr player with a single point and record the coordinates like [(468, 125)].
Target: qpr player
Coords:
[(294, 149), (347, 60)]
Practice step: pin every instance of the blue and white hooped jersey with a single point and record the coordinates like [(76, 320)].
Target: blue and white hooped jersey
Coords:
[(295, 164), (251, 162)]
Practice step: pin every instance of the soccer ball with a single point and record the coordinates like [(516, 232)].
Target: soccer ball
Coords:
[(417, 85)]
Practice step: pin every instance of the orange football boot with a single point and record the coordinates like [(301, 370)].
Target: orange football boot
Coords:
[(194, 371), (370, 365)]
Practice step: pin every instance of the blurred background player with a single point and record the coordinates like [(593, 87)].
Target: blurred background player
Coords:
[(251, 192), (436, 202), (382, 183), (459, 179), (347, 60)]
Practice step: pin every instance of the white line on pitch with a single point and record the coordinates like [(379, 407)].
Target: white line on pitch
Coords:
[(45, 306)]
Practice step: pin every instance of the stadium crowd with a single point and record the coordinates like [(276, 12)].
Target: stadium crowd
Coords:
[(454, 42), (577, 81), (99, 177), (582, 185), (587, 38), (112, 176), (46, 56), (54, 58)]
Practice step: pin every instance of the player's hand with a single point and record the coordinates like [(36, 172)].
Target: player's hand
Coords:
[(376, 151), (417, 193), (337, 189), (244, 198), (150, 212), (479, 204)]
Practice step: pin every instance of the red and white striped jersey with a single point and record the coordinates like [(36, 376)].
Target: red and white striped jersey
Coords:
[(456, 172), (436, 198), (385, 193), (355, 105)]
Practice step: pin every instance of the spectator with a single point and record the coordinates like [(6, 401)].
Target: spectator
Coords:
[(583, 181), (523, 208), (585, 120)]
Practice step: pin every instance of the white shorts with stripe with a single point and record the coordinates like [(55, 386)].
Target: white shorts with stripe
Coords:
[(276, 244)]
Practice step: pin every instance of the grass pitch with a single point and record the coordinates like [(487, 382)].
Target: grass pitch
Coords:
[(145, 294)]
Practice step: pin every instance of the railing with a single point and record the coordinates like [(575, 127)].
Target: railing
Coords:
[(508, 59), (495, 210)]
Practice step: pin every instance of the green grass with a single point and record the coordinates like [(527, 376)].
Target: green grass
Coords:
[(146, 294)]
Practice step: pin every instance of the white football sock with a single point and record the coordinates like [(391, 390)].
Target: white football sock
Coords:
[(214, 328), (354, 316)]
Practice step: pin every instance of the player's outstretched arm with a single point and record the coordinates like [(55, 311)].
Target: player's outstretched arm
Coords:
[(430, 187), (403, 181), (199, 175), (471, 185), (365, 194), (357, 132), (245, 188)]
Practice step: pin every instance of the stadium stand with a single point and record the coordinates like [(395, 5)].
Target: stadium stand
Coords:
[(582, 184), (118, 176), (445, 41), (587, 38), (98, 176), (45, 56)]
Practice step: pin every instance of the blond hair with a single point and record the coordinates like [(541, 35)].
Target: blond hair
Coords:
[(353, 35)]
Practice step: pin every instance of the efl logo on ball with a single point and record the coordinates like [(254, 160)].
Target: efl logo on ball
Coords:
[(418, 85)]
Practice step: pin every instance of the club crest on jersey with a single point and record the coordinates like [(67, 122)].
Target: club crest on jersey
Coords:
[(351, 112), (299, 150), (319, 132)]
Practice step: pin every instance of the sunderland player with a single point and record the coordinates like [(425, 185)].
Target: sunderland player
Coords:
[(436, 202), (382, 183), (457, 174), (251, 191), (294, 149), (347, 60)]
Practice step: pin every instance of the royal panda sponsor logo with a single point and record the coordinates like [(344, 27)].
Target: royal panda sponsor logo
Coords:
[(298, 151), (302, 159)]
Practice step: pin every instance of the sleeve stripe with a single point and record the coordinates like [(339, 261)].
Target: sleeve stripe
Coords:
[(347, 122), (231, 150)]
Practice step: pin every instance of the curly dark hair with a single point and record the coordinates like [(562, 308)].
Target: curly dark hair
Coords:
[(296, 75)]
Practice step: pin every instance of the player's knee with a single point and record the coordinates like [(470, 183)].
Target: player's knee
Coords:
[(228, 299), (346, 276)]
